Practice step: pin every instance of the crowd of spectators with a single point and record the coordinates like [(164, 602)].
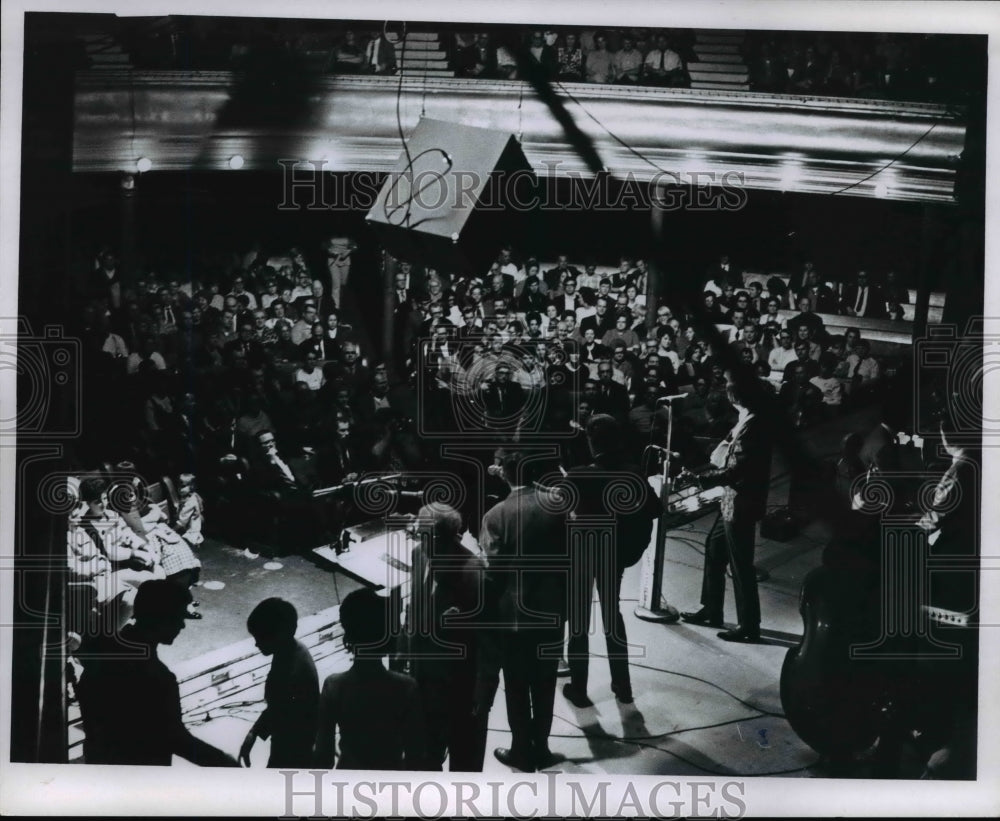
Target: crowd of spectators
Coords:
[(257, 385), (201, 368), (886, 66), (625, 57), (848, 64)]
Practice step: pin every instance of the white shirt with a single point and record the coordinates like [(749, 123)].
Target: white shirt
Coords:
[(252, 304), (666, 59), (314, 380), (734, 334), (867, 369), (511, 269), (861, 302), (287, 471), (135, 359), (832, 389), (115, 346), (779, 358), (671, 356)]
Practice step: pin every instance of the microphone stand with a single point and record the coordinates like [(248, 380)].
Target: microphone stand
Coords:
[(652, 606)]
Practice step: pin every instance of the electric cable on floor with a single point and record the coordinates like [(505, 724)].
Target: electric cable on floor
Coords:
[(711, 684), (678, 756)]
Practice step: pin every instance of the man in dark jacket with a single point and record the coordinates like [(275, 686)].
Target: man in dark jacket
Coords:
[(743, 468), (524, 540), (602, 561)]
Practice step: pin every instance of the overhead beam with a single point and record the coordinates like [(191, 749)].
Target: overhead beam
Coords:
[(816, 145)]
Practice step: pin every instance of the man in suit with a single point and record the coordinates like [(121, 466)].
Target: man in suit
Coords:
[(104, 282), (594, 561), (663, 66), (503, 399), (721, 273), (592, 351), (349, 372), (798, 284), (407, 320), (623, 275), (806, 316), (380, 56), (602, 321), (712, 308), (822, 299), (554, 277), (543, 55), (498, 285), (567, 298), (342, 460), (529, 598), (639, 277), (285, 494), (368, 402), (612, 397), (478, 59), (245, 342), (743, 469), (864, 298), (445, 656)]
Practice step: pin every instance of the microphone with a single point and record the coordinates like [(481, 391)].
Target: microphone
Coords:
[(665, 400)]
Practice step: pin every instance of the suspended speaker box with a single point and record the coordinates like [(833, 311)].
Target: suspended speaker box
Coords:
[(455, 197)]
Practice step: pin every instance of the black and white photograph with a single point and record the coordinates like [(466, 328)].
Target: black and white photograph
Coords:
[(467, 410)]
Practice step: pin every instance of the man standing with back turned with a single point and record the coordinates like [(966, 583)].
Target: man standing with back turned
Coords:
[(524, 539)]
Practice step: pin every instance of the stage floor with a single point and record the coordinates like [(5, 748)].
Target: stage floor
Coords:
[(702, 706)]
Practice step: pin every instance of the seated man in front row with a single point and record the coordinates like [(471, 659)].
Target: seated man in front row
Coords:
[(285, 494)]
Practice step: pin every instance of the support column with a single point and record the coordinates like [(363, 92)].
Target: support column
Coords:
[(388, 272), (128, 258)]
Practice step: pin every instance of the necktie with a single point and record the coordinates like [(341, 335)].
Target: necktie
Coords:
[(663, 57), (862, 299), (285, 471), (94, 534)]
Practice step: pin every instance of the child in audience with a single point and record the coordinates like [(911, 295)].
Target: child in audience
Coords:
[(191, 513), (377, 712), (836, 348), (828, 384)]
